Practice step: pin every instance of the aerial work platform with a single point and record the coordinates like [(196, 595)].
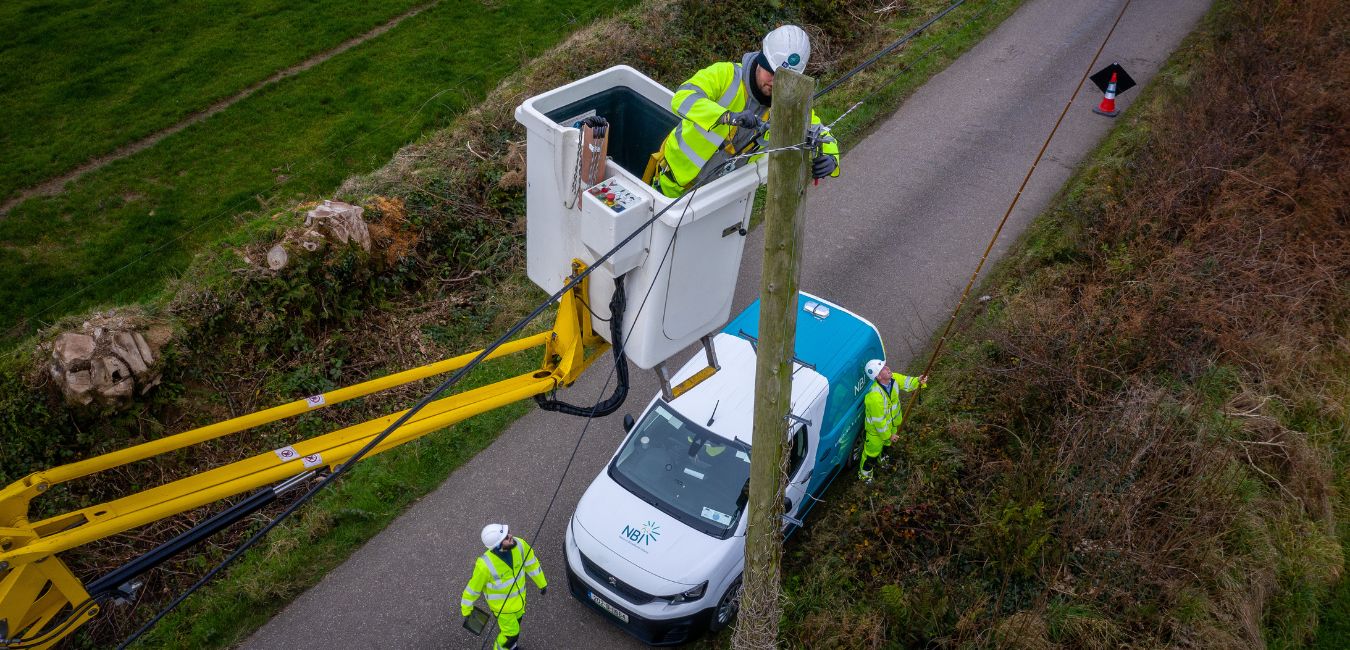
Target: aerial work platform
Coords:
[(680, 287)]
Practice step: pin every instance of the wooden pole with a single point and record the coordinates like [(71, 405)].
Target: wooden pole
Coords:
[(757, 625)]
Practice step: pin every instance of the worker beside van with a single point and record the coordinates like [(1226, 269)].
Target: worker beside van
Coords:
[(725, 107), (882, 412), (497, 578)]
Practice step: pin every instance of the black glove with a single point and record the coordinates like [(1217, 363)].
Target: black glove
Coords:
[(746, 119), (543, 590), (823, 166)]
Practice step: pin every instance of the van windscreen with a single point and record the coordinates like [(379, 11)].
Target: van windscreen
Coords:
[(685, 470)]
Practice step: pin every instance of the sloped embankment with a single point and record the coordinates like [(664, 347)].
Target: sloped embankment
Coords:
[(1140, 441)]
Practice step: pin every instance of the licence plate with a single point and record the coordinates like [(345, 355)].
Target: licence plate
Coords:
[(608, 607)]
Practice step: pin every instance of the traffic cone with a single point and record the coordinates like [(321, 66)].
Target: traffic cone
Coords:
[(1108, 105)]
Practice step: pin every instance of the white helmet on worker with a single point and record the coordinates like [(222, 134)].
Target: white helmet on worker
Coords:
[(493, 534), (872, 369), (787, 47)]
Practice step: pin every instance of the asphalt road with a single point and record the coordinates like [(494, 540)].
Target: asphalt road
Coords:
[(894, 238)]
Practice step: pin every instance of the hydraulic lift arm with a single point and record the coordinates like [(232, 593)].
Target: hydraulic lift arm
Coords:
[(41, 601)]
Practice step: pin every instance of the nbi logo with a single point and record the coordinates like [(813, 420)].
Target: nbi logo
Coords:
[(645, 534)]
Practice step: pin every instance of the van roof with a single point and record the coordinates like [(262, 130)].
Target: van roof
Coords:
[(727, 398), (828, 336)]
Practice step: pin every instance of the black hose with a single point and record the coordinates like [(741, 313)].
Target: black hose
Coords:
[(615, 400)]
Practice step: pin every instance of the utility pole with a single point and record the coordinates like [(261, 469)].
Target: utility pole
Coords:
[(757, 625)]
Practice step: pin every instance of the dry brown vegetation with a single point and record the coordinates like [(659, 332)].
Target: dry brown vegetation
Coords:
[(1135, 445)]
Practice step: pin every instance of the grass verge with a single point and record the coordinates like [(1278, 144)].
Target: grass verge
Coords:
[(118, 233), (81, 80), (1133, 442)]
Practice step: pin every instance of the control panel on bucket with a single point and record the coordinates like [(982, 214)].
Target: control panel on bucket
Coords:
[(614, 194)]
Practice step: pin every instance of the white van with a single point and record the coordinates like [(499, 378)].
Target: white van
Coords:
[(657, 541)]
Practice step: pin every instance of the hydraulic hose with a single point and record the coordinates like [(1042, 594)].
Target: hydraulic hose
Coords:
[(620, 394)]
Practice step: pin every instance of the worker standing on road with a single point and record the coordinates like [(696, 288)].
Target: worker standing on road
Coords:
[(882, 412), (725, 107), (497, 578)]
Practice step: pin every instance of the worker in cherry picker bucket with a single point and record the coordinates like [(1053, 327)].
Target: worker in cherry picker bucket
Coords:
[(725, 111)]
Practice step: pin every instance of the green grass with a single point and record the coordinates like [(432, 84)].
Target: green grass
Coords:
[(145, 216), (1333, 630), (83, 78)]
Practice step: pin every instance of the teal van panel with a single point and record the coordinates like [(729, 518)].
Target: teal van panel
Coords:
[(837, 345)]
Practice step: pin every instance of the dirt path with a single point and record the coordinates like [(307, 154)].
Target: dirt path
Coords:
[(56, 185)]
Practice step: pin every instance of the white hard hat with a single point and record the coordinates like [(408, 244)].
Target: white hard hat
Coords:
[(493, 534), (872, 369), (787, 47)]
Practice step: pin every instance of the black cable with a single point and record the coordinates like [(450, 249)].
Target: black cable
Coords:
[(54, 634), (888, 49), (620, 363), (342, 469), (592, 311), (515, 329)]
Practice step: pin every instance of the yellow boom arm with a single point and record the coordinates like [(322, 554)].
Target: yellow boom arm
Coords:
[(36, 587)]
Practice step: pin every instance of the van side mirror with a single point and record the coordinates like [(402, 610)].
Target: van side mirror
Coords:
[(627, 422), (787, 506)]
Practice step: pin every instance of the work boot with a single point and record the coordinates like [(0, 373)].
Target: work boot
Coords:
[(865, 476)]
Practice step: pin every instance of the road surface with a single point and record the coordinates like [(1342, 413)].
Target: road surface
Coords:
[(894, 238)]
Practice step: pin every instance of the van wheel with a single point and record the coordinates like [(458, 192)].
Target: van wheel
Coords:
[(725, 611), (856, 454)]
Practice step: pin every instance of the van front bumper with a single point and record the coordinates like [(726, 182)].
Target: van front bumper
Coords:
[(657, 632)]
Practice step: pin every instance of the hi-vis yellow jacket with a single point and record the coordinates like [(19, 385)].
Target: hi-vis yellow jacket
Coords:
[(497, 583), (699, 147), (882, 408)]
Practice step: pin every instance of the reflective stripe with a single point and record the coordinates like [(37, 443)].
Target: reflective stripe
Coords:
[(466, 602), (471, 592), (687, 150), (732, 89), (509, 596), (492, 568), (535, 573), (689, 101), (713, 138)]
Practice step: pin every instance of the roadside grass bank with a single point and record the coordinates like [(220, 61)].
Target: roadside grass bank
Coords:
[(1140, 440), (446, 216), (143, 218), (82, 79)]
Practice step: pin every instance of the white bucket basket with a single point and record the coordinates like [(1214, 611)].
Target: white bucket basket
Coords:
[(680, 274)]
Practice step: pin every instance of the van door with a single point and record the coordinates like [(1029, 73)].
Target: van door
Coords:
[(801, 454), (805, 471)]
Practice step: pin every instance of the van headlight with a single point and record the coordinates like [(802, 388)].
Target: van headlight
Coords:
[(691, 595)]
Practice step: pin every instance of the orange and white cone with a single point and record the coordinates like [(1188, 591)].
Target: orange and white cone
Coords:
[(1108, 105)]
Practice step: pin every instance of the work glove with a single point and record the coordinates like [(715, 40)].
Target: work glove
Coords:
[(543, 590), (746, 119), (823, 166)]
